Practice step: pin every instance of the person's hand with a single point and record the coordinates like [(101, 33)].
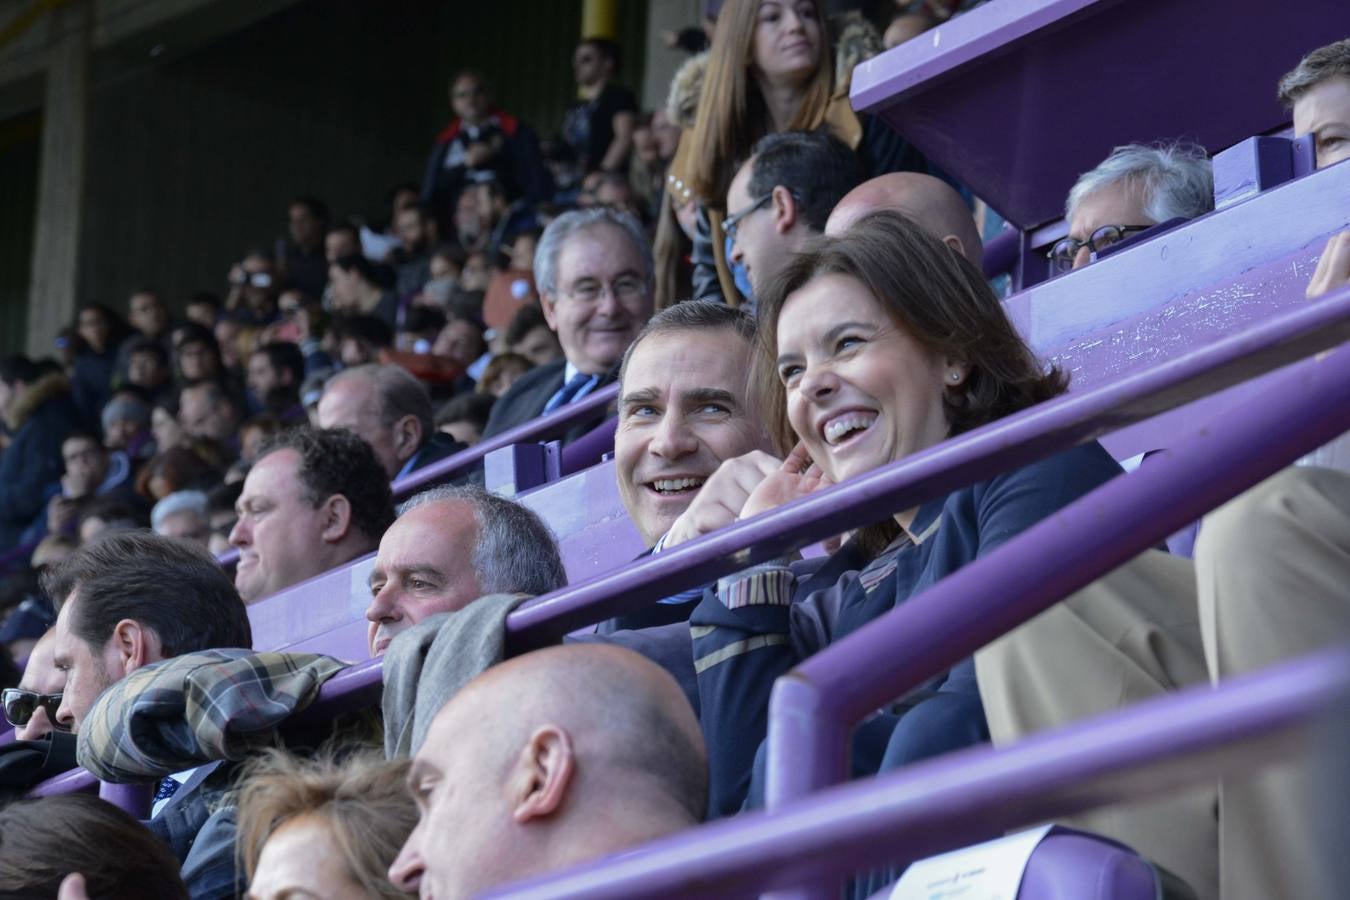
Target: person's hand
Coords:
[(796, 477), (73, 888), (477, 154), (61, 514), (722, 496), (1333, 269)]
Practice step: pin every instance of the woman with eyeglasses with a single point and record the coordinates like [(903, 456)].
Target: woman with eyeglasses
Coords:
[(770, 69), (876, 346)]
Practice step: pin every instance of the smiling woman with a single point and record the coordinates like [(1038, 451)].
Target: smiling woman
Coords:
[(875, 346)]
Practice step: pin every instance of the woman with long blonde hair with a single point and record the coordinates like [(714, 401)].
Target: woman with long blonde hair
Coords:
[(770, 69)]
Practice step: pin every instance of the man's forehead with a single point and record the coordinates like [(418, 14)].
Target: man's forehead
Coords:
[(599, 249), (714, 358)]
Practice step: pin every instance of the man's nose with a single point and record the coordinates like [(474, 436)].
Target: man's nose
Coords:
[(673, 439)]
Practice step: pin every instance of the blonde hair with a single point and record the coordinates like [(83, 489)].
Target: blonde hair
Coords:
[(731, 113), (363, 800)]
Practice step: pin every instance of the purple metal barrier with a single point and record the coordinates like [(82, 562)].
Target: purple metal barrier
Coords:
[(1148, 749), (1011, 442), (75, 781), (981, 94), (1014, 441), (537, 429), (814, 707), (1000, 252)]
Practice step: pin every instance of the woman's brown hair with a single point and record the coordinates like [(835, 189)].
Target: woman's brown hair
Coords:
[(940, 300), (363, 800), (731, 112), (44, 840)]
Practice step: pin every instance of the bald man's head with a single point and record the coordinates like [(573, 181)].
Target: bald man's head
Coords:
[(549, 759), (930, 202)]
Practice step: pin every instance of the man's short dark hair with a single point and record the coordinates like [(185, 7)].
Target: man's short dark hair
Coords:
[(170, 586), (817, 167), (469, 406), (317, 208), (205, 297), (371, 329), (285, 356), (380, 276), (336, 461), (139, 344), (605, 47), (693, 315), (17, 367), (527, 319)]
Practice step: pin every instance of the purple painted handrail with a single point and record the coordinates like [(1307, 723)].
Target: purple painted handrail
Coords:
[(547, 425), (73, 782), (1014, 441), (998, 447), (1147, 749), (814, 707)]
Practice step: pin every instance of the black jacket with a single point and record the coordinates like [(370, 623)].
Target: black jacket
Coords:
[(528, 396)]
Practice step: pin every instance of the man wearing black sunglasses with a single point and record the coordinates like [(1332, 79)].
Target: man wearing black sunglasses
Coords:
[(31, 707)]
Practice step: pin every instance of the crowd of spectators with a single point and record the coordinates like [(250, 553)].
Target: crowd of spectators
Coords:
[(832, 318)]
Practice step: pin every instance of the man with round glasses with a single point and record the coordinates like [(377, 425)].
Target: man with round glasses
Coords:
[(595, 274), (1136, 187)]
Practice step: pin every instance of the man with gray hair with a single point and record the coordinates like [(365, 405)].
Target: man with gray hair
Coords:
[(595, 274), (449, 546), (391, 411), (1136, 187), (182, 515)]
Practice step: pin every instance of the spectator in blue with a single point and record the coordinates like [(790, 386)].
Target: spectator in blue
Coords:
[(38, 413)]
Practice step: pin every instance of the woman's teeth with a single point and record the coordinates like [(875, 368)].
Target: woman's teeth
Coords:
[(837, 429)]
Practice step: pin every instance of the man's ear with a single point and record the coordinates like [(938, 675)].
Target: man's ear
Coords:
[(954, 242), (542, 775), (407, 437), (133, 645), (337, 518), (548, 305), (785, 210)]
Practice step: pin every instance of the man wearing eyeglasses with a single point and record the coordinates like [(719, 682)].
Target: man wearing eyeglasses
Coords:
[(595, 275), (781, 198), (1136, 187)]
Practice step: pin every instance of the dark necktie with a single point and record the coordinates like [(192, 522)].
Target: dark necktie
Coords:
[(574, 388)]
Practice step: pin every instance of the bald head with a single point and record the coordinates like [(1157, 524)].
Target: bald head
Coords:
[(930, 202), (549, 759)]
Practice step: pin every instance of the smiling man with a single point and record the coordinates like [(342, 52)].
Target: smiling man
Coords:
[(684, 407), (594, 269), (450, 546), (314, 499)]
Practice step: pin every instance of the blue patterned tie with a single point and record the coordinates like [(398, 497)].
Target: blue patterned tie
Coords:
[(166, 789), (574, 388)]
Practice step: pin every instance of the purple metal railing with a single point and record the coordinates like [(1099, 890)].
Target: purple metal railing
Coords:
[(1009, 443), (814, 707), (930, 807)]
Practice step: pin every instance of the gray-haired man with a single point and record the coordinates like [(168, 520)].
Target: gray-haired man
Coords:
[(1134, 188), (448, 547), (595, 274)]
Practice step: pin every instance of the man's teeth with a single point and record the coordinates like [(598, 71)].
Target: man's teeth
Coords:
[(674, 485), (838, 428)]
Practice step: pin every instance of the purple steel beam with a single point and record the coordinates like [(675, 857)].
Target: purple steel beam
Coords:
[(814, 707), (982, 94), (73, 782), (1014, 441), (536, 429), (1147, 749), (136, 799)]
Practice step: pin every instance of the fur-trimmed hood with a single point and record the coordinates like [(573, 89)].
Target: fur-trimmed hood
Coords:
[(42, 390)]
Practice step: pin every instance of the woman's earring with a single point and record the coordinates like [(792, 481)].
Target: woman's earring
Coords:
[(956, 377)]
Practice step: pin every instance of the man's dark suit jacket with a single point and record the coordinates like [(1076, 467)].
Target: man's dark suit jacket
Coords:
[(528, 396)]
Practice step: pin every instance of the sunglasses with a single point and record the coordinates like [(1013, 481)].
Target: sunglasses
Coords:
[(20, 706)]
